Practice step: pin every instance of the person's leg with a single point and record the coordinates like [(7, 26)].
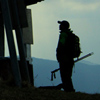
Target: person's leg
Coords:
[(66, 73)]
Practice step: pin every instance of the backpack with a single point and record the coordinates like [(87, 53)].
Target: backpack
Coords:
[(75, 46), (69, 47)]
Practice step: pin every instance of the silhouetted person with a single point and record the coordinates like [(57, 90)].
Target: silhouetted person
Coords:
[(68, 48)]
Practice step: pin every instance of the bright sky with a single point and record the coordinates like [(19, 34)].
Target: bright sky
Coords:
[(84, 18)]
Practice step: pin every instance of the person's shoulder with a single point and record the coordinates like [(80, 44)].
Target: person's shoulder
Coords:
[(75, 35), (63, 34)]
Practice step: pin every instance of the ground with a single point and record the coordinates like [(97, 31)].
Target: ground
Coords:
[(32, 93)]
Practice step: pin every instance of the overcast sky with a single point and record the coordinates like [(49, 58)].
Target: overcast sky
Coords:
[(84, 18)]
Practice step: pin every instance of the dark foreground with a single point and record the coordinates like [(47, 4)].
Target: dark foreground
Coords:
[(31, 93)]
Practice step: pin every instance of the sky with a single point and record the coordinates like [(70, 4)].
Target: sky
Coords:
[(84, 19)]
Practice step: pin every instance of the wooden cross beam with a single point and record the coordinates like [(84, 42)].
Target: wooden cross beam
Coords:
[(30, 2)]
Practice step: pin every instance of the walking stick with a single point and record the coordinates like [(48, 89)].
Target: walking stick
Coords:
[(53, 72)]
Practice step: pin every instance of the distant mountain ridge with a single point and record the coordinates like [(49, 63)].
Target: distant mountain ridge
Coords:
[(86, 76)]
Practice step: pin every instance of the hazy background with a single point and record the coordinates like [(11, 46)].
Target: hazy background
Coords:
[(85, 77), (84, 18)]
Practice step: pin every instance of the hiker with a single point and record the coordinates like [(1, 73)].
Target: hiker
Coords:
[(68, 48)]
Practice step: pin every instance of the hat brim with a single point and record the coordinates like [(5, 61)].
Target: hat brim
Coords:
[(59, 22)]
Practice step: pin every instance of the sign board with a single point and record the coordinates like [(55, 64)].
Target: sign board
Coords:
[(21, 12), (28, 32)]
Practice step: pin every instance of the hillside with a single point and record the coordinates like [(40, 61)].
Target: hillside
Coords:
[(31, 93), (86, 75), (85, 79)]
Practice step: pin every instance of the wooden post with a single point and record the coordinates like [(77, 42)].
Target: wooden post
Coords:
[(8, 26), (2, 49), (29, 61), (28, 40), (24, 67)]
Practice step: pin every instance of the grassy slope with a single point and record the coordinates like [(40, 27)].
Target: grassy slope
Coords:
[(31, 93)]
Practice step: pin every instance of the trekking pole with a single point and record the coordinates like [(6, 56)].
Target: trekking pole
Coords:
[(53, 72)]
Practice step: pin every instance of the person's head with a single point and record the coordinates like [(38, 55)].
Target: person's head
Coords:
[(64, 25)]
